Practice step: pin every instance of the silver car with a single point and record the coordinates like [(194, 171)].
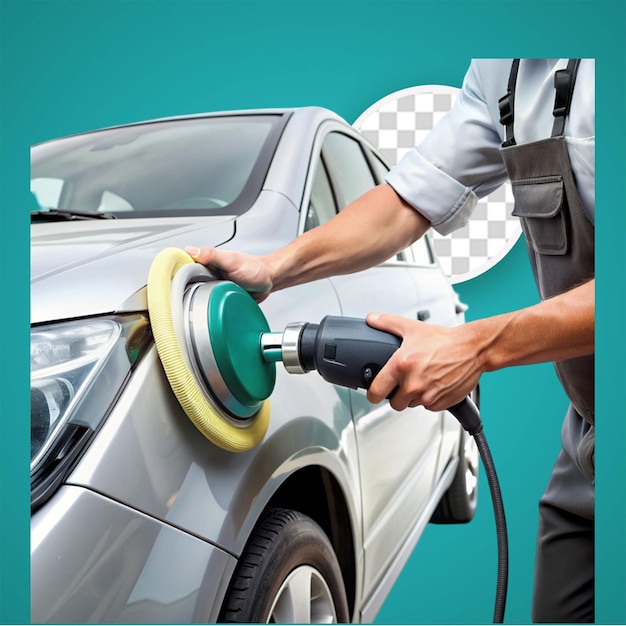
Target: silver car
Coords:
[(136, 516)]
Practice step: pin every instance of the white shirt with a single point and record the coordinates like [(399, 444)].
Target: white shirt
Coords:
[(459, 161)]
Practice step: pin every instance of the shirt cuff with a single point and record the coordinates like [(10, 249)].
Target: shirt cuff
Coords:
[(443, 201)]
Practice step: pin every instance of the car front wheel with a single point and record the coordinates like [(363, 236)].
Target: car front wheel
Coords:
[(287, 574)]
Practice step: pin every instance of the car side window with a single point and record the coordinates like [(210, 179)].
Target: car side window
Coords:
[(380, 168), (422, 253), (348, 168), (322, 202)]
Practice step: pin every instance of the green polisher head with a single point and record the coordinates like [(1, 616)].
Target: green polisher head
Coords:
[(224, 326)]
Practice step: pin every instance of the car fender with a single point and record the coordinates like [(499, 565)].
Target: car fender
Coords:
[(149, 456)]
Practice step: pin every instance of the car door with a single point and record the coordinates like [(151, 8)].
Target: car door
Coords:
[(397, 451)]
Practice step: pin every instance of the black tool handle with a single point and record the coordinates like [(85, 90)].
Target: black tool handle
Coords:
[(346, 351)]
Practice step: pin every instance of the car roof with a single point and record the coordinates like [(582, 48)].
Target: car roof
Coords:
[(310, 114)]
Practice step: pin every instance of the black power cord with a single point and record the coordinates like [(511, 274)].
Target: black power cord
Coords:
[(501, 532), (347, 351), (469, 417)]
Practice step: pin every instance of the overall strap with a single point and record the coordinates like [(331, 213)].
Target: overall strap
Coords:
[(506, 105), (564, 81)]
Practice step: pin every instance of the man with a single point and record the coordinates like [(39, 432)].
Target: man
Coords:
[(531, 121)]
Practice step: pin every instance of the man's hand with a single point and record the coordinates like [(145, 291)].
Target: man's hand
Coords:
[(435, 366), (248, 271)]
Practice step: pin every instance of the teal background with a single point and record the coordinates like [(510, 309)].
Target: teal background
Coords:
[(72, 66)]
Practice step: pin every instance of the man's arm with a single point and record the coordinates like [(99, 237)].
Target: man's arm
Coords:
[(368, 231), (438, 366)]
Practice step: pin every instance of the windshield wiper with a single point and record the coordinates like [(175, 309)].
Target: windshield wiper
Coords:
[(59, 215)]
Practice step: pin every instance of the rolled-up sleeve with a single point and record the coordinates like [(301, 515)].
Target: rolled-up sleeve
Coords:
[(445, 202), (457, 163)]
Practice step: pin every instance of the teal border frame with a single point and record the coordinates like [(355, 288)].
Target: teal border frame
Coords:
[(69, 66)]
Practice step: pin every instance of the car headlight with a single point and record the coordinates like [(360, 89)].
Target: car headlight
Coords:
[(77, 370)]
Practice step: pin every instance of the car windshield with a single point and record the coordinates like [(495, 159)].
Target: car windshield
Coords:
[(191, 166)]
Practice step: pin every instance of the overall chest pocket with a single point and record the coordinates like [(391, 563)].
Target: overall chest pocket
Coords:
[(540, 203)]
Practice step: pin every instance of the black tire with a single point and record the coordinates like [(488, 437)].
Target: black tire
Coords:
[(458, 504), (286, 554)]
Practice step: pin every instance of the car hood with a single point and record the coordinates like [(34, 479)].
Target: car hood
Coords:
[(94, 267)]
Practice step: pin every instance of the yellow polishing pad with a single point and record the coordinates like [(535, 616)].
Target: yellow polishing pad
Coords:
[(200, 409)]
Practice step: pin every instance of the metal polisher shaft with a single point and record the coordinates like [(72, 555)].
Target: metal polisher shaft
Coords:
[(285, 347), (272, 347)]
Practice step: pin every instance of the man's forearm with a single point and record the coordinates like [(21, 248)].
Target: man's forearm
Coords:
[(436, 366), (554, 330), (368, 231), (337, 247)]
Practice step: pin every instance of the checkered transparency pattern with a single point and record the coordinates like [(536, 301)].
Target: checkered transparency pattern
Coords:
[(400, 121)]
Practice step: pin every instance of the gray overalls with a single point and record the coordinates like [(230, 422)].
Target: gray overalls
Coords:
[(560, 240)]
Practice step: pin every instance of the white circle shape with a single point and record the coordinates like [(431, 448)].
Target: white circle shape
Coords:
[(400, 121)]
